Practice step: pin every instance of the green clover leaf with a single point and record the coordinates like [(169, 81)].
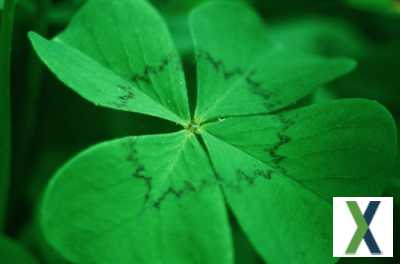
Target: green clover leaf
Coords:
[(233, 51), (284, 172), (164, 198)]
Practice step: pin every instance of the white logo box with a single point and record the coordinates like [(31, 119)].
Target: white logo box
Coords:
[(344, 226)]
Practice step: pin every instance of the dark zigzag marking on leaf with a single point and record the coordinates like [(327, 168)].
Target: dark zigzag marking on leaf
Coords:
[(273, 151), (149, 70), (178, 193), (219, 66), (127, 93), (283, 139), (139, 173), (250, 178), (189, 187), (125, 97)]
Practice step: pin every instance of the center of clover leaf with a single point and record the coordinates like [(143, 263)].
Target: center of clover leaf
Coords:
[(163, 198), (194, 127)]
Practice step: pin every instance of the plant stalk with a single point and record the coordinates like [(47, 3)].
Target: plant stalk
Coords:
[(5, 104), (32, 93)]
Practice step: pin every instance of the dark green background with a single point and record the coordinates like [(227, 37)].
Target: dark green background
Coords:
[(51, 123)]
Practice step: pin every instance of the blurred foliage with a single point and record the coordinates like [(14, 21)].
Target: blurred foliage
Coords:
[(13, 252), (367, 30), (384, 6)]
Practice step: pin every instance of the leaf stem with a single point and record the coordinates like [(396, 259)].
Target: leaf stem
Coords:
[(32, 91), (5, 104)]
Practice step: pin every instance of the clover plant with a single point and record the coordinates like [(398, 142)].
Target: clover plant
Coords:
[(247, 147)]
